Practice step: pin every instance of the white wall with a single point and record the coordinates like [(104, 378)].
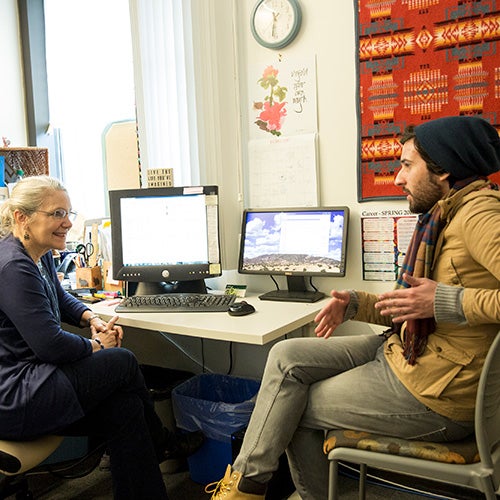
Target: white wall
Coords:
[(12, 110)]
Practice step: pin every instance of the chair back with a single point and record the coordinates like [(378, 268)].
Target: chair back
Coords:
[(487, 416)]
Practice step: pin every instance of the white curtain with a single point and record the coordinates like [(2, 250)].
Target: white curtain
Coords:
[(164, 81)]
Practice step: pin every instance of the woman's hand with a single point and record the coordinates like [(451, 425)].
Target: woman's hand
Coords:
[(109, 334), (332, 315)]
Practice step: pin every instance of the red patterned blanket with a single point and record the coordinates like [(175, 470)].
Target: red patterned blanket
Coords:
[(420, 60)]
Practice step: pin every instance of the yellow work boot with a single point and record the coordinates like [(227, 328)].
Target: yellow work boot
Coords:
[(228, 488)]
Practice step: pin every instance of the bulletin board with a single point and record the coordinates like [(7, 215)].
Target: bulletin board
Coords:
[(31, 160)]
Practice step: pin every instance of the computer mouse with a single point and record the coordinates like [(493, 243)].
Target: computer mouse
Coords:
[(240, 308)]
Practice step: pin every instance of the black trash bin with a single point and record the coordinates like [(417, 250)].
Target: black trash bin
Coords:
[(218, 405)]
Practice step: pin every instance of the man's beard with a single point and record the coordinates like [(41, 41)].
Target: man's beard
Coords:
[(424, 197)]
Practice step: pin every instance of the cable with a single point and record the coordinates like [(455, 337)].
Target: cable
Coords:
[(311, 283), (230, 369), (188, 355), (202, 345), (275, 282)]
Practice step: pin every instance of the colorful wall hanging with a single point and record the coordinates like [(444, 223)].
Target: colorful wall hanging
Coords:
[(420, 60)]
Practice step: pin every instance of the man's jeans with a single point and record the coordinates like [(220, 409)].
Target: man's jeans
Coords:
[(311, 385)]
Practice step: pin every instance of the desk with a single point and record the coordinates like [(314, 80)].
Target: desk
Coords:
[(271, 321)]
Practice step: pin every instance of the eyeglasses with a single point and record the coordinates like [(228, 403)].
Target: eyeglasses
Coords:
[(60, 214)]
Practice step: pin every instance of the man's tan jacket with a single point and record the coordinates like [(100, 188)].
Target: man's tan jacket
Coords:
[(467, 257)]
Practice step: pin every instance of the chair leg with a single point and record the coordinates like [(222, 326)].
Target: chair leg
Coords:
[(333, 480), (488, 489), (362, 481)]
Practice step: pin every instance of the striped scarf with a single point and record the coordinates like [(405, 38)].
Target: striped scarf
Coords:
[(418, 262)]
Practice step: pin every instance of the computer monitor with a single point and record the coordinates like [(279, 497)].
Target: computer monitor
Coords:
[(165, 239), (297, 243)]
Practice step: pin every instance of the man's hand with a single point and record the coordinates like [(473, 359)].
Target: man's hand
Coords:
[(332, 315), (416, 302)]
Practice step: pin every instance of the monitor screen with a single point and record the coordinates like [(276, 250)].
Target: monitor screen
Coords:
[(166, 239), (297, 243)]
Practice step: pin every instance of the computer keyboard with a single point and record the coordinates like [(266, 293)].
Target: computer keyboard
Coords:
[(176, 302)]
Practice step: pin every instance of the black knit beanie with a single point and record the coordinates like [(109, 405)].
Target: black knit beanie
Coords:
[(464, 146)]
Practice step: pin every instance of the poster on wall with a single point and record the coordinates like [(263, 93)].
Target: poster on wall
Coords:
[(282, 98), (386, 235), (417, 61)]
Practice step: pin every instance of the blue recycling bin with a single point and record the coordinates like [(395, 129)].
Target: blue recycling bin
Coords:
[(219, 406)]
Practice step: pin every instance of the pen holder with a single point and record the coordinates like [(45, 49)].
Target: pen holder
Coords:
[(89, 277)]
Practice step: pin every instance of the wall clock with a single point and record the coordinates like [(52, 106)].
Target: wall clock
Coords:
[(275, 23)]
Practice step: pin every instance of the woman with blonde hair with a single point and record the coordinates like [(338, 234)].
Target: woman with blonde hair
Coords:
[(56, 382)]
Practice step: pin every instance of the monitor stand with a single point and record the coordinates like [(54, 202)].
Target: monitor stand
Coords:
[(297, 292), (157, 288)]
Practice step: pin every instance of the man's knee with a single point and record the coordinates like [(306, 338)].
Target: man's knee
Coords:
[(289, 357), (285, 352)]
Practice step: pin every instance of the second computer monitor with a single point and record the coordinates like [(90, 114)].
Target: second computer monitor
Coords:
[(297, 243)]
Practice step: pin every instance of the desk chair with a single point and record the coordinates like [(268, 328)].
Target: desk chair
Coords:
[(473, 462), (20, 459)]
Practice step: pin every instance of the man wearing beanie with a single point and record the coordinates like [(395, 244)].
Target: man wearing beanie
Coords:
[(419, 379)]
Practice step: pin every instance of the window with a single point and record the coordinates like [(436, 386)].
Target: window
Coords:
[(90, 84), (94, 50)]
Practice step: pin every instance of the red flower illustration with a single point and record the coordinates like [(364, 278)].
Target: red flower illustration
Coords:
[(272, 114), (272, 109)]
